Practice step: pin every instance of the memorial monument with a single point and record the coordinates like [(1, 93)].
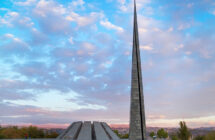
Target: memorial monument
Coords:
[(137, 126), (100, 130)]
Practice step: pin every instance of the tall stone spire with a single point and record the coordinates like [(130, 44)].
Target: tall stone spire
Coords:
[(137, 112)]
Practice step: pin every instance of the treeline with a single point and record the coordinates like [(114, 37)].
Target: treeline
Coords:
[(183, 133), (121, 136), (15, 132)]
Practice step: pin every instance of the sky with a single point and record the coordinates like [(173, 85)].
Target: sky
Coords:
[(70, 60)]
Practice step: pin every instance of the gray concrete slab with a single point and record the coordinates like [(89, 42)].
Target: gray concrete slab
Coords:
[(100, 133), (85, 132), (74, 131), (88, 131), (112, 135), (64, 132)]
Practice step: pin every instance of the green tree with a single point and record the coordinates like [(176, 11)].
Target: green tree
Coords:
[(10, 133), (125, 136), (199, 138), (152, 134), (174, 137), (121, 136), (116, 132), (1, 136), (162, 133), (183, 132), (20, 133), (51, 135), (34, 132)]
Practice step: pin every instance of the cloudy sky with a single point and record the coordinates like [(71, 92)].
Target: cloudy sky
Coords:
[(70, 60)]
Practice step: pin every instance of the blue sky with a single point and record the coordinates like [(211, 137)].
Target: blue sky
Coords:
[(63, 61)]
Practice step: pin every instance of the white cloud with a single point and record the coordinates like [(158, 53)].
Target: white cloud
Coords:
[(45, 7), (84, 20), (71, 40), (9, 35), (51, 17), (26, 3), (213, 12), (179, 47), (166, 38), (58, 102), (183, 26), (109, 25), (146, 48), (170, 29), (125, 6), (88, 46), (191, 122), (26, 21), (78, 2), (142, 30), (13, 14), (4, 9), (15, 19), (11, 43), (121, 1), (4, 22)]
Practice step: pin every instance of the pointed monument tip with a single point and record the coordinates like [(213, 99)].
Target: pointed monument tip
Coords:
[(135, 6)]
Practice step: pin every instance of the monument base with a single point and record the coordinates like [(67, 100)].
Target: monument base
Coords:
[(88, 131)]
